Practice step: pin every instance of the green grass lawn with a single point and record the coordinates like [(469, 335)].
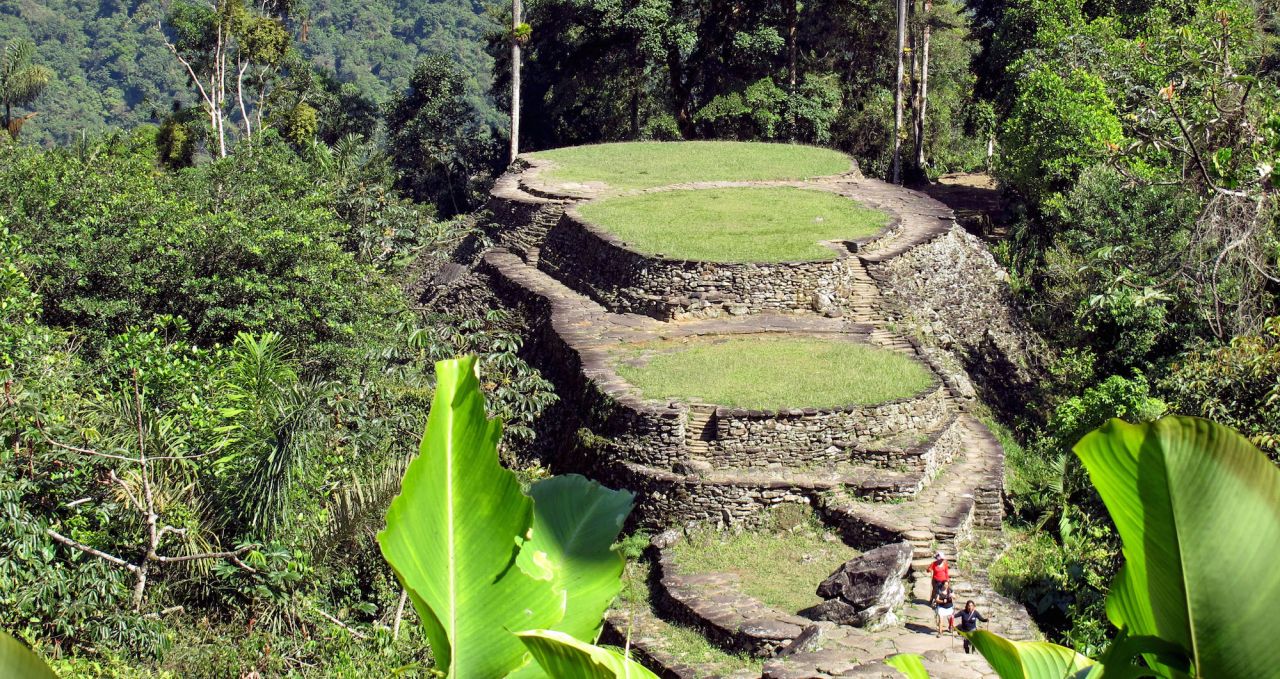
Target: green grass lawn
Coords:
[(780, 563), (639, 165), (771, 372), (744, 224)]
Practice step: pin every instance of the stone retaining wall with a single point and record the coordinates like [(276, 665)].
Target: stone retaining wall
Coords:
[(811, 435), (711, 603), (598, 264), (953, 294), (666, 498)]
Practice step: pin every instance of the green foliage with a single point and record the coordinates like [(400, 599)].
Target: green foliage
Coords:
[(245, 244), (515, 391), (1110, 267), (112, 69), (1063, 579), (434, 139), (1060, 125), (1194, 503), (562, 655), (1237, 384), (598, 71), (1029, 659), (21, 81), (909, 664), (476, 558)]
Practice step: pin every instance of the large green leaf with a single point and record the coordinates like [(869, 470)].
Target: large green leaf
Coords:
[(909, 665), (1198, 510), (454, 532), (16, 660), (575, 523), (564, 657), (1030, 659)]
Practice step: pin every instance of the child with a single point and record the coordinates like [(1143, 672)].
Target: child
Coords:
[(944, 603)]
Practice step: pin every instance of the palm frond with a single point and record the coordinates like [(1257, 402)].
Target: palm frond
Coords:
[(356, 510)]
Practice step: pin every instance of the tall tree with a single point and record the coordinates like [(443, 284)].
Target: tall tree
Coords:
[(793, 13), (21, 80), (222, 46), (436, 140), (922, 93), (516, 37), (897, 93)]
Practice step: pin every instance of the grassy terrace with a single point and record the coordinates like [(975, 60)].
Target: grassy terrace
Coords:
[(771, 372), (684, 643), (743, 224), (780, 563), (639, 165)]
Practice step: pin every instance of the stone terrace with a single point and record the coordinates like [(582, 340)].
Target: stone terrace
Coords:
[(920, 469)]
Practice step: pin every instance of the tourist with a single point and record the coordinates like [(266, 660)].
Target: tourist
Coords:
[(969, 618), (941, 573), (944, 603)]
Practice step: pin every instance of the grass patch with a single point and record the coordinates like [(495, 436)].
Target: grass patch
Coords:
[(642, 165), (685, 643), (781, 563), (742, 224), (771, 372)]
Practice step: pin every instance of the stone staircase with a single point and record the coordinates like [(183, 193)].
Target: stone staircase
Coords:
[(700, 429), (937, 486)]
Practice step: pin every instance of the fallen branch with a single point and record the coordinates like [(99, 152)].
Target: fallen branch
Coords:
[(355, 633)]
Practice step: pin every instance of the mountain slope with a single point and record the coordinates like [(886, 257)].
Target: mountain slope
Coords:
[(113, 68)]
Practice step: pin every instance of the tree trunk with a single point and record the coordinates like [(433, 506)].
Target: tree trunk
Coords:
[(924, 83), (244, 112), (395, 628), (516, 11), (792, 49), (680, 94), (897, 94), (635, 112)]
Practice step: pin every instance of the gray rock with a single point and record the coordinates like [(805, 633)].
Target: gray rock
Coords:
[(862, 581), (864, 591)]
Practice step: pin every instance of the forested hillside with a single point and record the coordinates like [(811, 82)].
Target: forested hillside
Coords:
[(230, 271), (113, 69)]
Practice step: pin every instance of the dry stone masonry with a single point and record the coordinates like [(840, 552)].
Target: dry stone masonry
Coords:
[(897, 480)]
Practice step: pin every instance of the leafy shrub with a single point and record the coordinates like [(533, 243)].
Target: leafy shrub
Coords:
[(1064, 583), (1237, 384), (1059, 126), (248, 243)]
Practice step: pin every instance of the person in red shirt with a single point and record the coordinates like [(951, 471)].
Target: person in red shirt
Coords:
[(941, 573)]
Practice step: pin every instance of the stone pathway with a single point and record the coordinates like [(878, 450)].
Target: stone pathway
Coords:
[(948, 501)]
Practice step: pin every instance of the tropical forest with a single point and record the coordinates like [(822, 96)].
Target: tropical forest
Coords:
[(626, 339)]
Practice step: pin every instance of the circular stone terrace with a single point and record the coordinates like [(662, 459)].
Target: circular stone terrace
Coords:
[(710, 315), (704, 229)]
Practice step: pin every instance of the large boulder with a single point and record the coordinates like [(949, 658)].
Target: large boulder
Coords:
[(864, 591)]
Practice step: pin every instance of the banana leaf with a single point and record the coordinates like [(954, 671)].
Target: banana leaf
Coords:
[(455, 531), (1198, 509)]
